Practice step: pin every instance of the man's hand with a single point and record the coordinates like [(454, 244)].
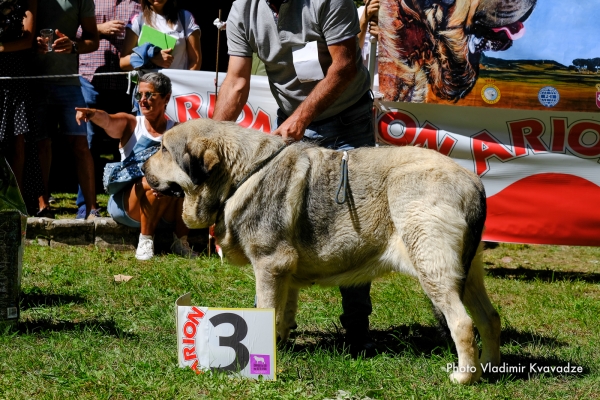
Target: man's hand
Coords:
[(372, 10), (114, 27), (84, 114), (163, 59), (374, 29), (291, 130), (63, 44)]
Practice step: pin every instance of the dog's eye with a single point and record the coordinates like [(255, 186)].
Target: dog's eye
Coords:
[(164, 149)]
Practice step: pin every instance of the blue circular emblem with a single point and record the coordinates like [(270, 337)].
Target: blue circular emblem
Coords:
[(548, 96)]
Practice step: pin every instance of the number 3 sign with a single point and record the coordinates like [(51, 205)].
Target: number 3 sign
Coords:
[(234, 340)]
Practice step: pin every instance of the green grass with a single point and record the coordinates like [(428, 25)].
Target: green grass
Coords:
[(66, 207), (83, 336)]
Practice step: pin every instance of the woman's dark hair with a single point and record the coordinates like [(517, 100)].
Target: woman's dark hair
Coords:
[(161, 82), (169, 12)]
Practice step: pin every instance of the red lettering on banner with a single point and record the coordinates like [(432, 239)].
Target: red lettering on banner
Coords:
[(401, 129), (397, 128), (188, 341), (262, 122), (247, 117), (484, 146), (212, 100), (189, 353), (194, 367), (559, 134), (575, 139), (188, 106), (525, 134), (428, 137), (197, 313)]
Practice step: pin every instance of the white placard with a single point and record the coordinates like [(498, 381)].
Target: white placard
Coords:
[(306, 62), (234, 340)]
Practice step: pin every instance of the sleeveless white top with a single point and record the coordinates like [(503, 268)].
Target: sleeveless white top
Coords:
[(140, 130)]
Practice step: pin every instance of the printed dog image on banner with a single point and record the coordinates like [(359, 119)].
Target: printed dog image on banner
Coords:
[(520, 54)]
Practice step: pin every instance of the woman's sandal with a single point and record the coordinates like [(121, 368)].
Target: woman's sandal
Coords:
[(45, 213)]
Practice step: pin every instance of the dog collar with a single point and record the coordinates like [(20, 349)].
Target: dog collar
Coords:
[(256, 169)]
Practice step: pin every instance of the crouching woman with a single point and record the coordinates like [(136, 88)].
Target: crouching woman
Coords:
[(135, 204)]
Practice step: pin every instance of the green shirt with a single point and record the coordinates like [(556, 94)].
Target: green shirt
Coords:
[(66, 16)]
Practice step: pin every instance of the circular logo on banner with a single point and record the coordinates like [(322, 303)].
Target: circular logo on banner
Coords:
[(548, 96), (490, 94)]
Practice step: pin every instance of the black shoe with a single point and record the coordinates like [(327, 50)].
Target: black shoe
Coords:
[(45, 213), (361, 346)]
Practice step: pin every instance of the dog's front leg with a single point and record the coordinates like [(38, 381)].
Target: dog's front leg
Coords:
[(273, 275), (272, 292)]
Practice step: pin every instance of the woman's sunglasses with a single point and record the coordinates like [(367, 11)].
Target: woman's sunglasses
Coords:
[(145, 95)]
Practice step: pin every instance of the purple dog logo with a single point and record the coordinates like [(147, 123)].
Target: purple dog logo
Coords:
[(260, 364)]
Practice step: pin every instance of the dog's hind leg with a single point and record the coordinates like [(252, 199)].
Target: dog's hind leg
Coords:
[(434, 246), (483, 312)]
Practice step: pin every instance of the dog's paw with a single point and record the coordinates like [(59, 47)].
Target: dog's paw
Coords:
[(465, 378)]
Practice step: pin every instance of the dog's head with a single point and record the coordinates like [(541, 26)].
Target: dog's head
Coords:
[(471, 28), (187, 164), (439, 43)]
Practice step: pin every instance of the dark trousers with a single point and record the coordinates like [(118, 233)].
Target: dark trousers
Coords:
[(347, 130)]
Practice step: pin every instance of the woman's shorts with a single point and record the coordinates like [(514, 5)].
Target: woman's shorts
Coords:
[(116, 209)]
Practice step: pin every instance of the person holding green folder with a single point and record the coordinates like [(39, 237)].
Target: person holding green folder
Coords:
[(172, 30)]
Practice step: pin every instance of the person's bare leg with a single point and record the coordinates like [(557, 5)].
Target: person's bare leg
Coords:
[(45, 156), (17, 160), (85, 170), (145, 207)]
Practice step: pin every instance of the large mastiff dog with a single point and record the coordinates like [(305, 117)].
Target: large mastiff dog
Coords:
[(408, 209)]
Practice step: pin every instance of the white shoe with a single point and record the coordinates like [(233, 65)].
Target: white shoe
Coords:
[(181, 247), (145, 249)]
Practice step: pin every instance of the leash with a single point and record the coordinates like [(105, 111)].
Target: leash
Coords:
[(343, 180), (257, 168)]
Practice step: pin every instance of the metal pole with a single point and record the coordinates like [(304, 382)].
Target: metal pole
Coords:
[(372, 58), (217, 60)]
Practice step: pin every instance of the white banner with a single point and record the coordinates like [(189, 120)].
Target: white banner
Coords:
[(541, 169)]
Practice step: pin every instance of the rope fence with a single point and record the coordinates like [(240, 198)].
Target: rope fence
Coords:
[(63, 76)]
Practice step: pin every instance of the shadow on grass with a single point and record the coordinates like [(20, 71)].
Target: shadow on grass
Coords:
[(524, 274), (424, 341), (46, 325), (36, 298)]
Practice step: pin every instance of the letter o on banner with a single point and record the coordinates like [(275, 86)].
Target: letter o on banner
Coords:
[(189, 330), (397, 128), (578, 134)]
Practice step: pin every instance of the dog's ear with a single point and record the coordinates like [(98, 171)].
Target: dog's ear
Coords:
[(198, 166)]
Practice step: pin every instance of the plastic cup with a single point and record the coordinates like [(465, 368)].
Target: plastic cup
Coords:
[(47, 34)]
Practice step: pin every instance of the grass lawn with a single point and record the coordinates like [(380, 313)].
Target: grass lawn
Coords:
[(83, 336)]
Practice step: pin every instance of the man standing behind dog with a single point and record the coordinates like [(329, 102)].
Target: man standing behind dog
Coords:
[(316, 74)]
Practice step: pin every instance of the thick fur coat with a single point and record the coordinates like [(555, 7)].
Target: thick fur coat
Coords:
[(408, 209)]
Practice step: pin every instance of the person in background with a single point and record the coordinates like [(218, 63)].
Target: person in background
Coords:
[(369, 18), (164, 16), (56, 98), (17, 119), (137, 205), (329, 104), (107, 92)]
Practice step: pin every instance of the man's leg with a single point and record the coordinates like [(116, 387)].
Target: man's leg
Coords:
[(89, 95), (70, 97), (350, 129), (356, 305)]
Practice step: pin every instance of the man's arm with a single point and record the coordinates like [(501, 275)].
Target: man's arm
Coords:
[(90, 39), (235, 89), (194, 51), (339, 75)]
